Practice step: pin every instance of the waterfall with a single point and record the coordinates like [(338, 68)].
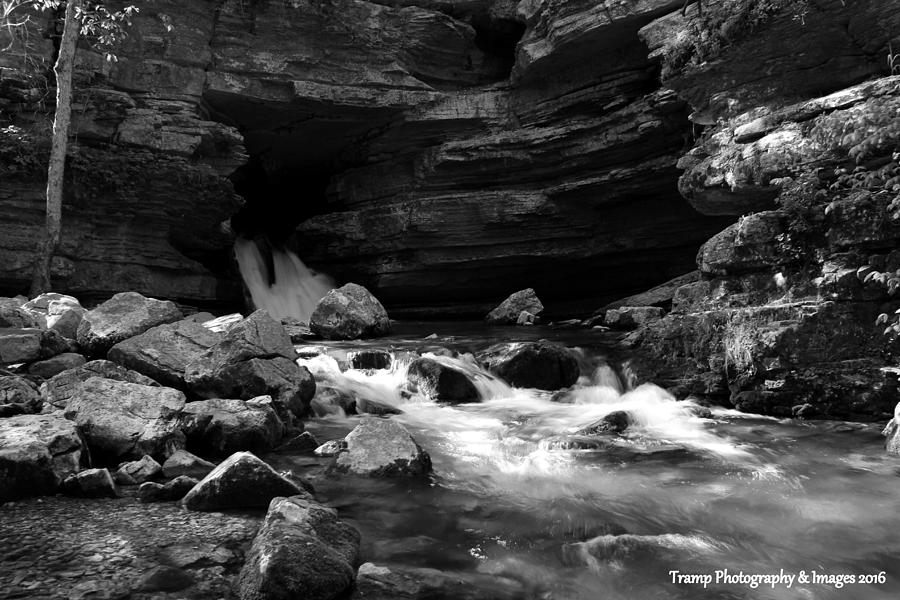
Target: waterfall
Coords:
[(284, 287)]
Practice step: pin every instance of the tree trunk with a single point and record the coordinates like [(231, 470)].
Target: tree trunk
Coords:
[(65, 64)]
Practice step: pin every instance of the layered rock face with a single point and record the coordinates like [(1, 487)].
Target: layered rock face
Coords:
[(783, 320), (448, 153)]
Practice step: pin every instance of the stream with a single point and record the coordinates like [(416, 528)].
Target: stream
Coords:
[(681, 492)]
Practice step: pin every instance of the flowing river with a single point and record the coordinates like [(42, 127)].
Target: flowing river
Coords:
[(683, 492)]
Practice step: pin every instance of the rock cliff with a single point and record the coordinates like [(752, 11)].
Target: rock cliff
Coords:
[(443, 153), (783, 321)]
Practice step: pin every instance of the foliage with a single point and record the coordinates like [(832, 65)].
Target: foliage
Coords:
[(23, 153), (723, 24)]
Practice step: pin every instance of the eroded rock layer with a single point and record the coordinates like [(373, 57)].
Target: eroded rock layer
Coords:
[(443, 154)]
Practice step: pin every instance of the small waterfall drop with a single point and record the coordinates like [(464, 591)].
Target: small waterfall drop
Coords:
[(284, 287)]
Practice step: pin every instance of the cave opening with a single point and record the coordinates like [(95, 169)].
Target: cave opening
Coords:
[(498, 37)]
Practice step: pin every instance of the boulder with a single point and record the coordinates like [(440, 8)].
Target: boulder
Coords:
[(331, 448), (59, 312), (167, 492), (222, 427), (614, 422), (123, 316), (90, 483), (398, 582), (632, 317), (29, 345), (124, 420), (255, 358), (369, 359), (46, 369), (510, 310), (348, 313), (441, 382), (18, 396), (302, 550), (365, 406), (240, 481), (137, 471), (59, 389), (182, 462), (162, 352), (13, 316), (542, 365), (305, 442), (37, 452), (382, 447), (332, 401)]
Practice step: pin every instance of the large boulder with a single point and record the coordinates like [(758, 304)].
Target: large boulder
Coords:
[(59, 312), (302, 550), (240, 481), (349, 312), (441, 382), (222, 427), (382, 447), (45, 369), (123, 316), (255, 358), (29, 345), (542, 365), (128, 420), (12, 315), (162, 352), (18, 396), (507, 313), (37, 452), (59, 389)]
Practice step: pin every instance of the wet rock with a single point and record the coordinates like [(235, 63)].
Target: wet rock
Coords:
[(90, 483), (13, 316), (162, 352), (399, 582), (29, 345), (182, 462), (59, 312), (632, 317), (615, 422), (332, 401), (123, 316), (382, 447), (509, 311), (365, 406), (137, 471), (167, 492), (37, 452), (222, 427), (331, 448), (122, 420), (18, 396), (255, 358), (59, 389), (542, 365), (56, 365), (240, 481), (305, 442), (369, 359), (441, 382), (348, 313), (892, 433), (302, 550), (297, 330), (164, 579)]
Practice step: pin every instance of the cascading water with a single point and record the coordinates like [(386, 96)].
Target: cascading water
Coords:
[(519, 496), (284, 286)]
